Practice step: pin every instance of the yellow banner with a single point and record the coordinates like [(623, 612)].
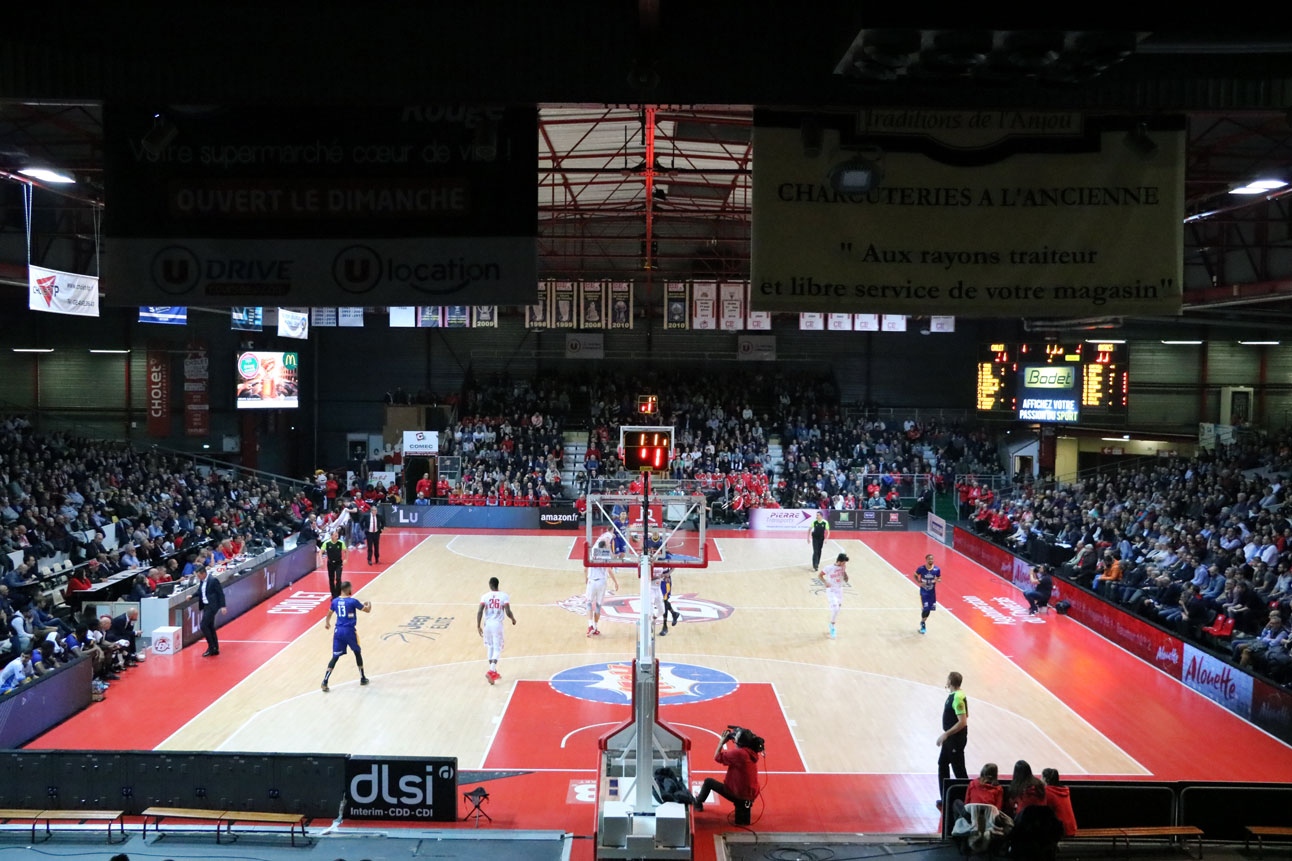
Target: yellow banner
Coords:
[(978, 214)]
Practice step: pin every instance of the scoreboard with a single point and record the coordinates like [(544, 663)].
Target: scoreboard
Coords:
[(1101, 372)]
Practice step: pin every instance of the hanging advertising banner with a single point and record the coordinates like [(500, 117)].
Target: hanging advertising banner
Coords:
[(758, 321), (838, 322), (324, 317), (592, 305), (430, 317), (704, 306), (621, 304), (677, 305), (484, 316), (247, 319), (350, 317), (197, 389), (166, 316), (892, 322), (293, 324), (865, 322), (565, 304), (811, 321), (979, 213), (538, 315), (320, 205), (731, 317), (157, 375), (62, 292), (942, 325), (457, 316), (403, 316)]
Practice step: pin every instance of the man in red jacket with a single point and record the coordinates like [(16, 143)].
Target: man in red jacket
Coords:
[(740, 786)]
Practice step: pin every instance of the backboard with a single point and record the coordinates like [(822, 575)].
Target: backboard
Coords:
[(672, 531)]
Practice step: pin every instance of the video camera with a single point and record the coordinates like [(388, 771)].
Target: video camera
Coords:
[(745, 738)]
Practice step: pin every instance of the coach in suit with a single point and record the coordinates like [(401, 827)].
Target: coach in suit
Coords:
[(373, 524), (210, 599)]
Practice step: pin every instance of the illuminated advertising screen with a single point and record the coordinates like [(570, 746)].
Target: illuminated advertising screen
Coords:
[(267, 380), (1048, 393), (1100, 388)]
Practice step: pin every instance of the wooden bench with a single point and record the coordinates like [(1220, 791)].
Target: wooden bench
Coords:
[(1260, 832), (76, 816), (1168, 832), (292, 820), (224, 819)]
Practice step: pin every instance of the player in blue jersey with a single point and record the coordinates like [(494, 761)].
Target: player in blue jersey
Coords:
[(619, 517), (927, 577), (345, 637), (664, 576)]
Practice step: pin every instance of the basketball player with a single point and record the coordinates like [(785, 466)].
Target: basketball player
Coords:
[(494, 605), (345, 636), (666, 592), (834, 576), (595, 593), (927, 576), (603, 546), (619, 516)]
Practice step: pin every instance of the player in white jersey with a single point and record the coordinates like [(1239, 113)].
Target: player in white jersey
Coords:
[(603, 546), (494, 605), (595, 593), (834, 576)]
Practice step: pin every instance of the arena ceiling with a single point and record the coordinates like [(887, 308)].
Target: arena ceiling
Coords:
[(597, 218)]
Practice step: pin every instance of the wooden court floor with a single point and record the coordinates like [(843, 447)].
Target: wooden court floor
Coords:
[(850, 722)]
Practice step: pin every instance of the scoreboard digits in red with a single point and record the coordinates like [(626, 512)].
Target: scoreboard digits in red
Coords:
[(648, 451)]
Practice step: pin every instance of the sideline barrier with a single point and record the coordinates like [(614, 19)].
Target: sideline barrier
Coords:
[(1254, 699), (466, 516), (232, 787), (244, 590), (1222, 812), (43, 704), (799, 519)]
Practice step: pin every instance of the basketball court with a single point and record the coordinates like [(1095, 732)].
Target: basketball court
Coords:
[(850, 723)]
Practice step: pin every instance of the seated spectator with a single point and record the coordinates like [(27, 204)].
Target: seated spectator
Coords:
[(44, 618), (1109, 572), (122, 630), (1252, 651), (1024, 790), (986, 788), (141, 589), (17, 672)]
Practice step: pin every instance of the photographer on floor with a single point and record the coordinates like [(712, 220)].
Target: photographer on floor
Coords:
[(740, 786)]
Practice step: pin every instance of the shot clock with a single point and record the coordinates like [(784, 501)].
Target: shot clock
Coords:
[(647, 449)]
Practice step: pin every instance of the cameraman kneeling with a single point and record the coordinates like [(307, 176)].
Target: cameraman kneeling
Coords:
[(741, 784)]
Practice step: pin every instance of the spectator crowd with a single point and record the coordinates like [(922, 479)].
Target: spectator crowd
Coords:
[(1202, 546), (104, 509)]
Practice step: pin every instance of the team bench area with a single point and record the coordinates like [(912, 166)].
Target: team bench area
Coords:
[(76, 817), (1171, 833), (1260, 832), (224, 819)]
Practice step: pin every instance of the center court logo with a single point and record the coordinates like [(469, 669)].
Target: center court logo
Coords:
[(679, 684), (627, 608)]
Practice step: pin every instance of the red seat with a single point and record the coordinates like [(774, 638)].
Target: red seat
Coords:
[(1221, 629)]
